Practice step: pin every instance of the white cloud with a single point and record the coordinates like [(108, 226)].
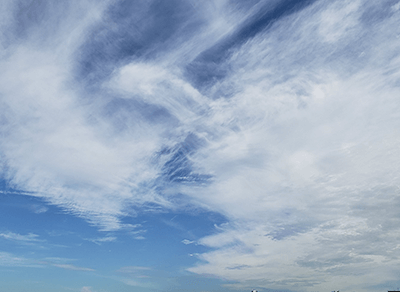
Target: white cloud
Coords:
[(101, 240), (63, 263), (304, 152), (136, 276), (87, 289), (53, 149), (11, 260), (338, 20), (133, 269), (307, 156), (72, 267), (31, 237), (139, 237), (138, 234), (39, 209), (187, 241)]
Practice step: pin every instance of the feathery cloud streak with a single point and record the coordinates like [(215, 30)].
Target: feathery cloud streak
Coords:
[(281, 117)]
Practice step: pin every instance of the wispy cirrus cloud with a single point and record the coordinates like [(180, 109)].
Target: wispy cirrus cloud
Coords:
[(11, 260), (44, 114), (39, 209), (136, 276), (31, 237), (72, 267), (133, 269), (101, 240), (64, 263), (285, 121), (187, 241), (312, 141)]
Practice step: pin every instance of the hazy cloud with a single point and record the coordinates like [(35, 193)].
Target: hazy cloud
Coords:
[(11, 260), (101, 240), (72, 267), (284, 121), (31, 237)]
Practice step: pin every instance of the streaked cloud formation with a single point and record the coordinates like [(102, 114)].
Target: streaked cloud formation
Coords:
[(19, 237), (281, 116)]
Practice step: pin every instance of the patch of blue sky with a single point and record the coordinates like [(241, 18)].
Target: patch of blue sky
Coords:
[(164, 239), (179, 168), (53, 227), (48, 279), (140, 31), (65, 246), (211, 65)]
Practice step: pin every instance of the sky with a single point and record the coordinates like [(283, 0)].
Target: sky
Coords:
[(185, 145)]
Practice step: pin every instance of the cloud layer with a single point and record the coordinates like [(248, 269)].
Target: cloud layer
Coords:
[(283, 118)]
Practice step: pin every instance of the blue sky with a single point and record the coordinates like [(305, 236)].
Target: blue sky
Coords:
[(215, 145)]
